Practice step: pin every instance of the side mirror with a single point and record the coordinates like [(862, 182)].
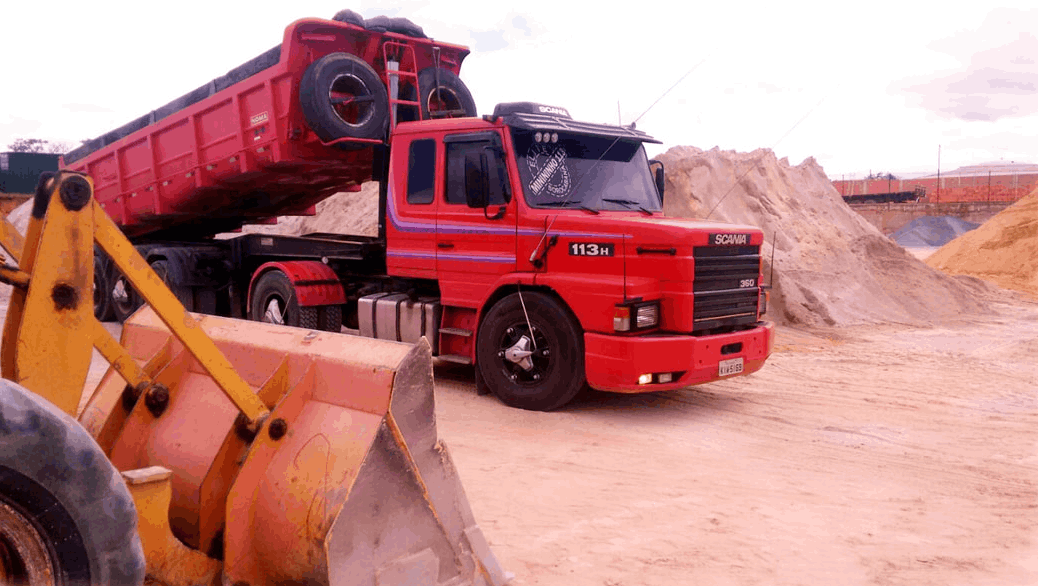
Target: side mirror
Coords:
[(659, 176), (476, 187), (477, 184)]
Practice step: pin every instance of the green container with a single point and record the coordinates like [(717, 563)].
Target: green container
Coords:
[(19, 172)]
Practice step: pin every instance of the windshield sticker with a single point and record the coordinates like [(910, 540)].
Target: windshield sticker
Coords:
[(548, 167)]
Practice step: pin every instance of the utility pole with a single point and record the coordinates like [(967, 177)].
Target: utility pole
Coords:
[(938, 173)]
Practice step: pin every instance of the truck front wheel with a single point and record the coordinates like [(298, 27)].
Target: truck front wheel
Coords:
[(535, 363)]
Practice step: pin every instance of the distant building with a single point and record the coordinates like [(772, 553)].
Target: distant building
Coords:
[(19, 172)]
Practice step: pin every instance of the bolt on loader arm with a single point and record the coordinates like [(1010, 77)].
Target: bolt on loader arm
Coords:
[(252, 453)]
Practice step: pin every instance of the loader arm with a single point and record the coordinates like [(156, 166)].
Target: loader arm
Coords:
[(52, 311), (254, 453)]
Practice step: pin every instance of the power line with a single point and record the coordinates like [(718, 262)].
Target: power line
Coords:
[(754, 164)]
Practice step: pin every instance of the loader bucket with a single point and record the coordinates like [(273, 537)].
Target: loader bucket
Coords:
[(346, 481)]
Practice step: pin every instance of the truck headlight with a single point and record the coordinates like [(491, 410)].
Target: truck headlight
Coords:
[(647, 316), (631, 317)]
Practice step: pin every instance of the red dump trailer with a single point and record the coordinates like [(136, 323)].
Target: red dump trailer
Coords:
[(263, 140)]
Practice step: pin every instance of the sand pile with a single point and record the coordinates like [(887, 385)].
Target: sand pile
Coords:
[(342, 213), (831, 266), (1003, 250), (932, 231), (19, 216)]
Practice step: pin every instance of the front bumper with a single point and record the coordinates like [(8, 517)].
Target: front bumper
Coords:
[(614, 363)]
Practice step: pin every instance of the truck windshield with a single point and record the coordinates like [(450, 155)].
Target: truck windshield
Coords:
[(591, 172)]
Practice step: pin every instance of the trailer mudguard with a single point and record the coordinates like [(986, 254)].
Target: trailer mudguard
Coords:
[(315, 283)]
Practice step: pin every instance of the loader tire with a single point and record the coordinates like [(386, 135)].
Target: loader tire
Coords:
[(274, 301), (450, 99), (102, 292), (64, 509), (342, 97), (554, 374)]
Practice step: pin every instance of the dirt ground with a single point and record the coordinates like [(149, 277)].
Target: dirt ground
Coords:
[(883, 455), (880, 455)]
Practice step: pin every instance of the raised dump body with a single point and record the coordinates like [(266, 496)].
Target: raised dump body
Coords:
[(275, 135)]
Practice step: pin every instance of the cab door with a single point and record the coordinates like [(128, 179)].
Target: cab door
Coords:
[(411, 210), (474, 246)]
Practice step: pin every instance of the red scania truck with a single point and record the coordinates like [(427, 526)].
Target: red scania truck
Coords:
[(525, 242)]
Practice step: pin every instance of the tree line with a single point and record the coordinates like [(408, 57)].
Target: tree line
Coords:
[(38, 145)]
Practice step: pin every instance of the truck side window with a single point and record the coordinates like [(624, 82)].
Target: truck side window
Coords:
[(421, 171), (500, 194)]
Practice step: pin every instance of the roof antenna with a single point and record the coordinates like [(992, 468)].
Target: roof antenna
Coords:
[(771, 277)]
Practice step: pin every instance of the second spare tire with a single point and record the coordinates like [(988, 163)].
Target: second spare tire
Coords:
[(449, 99), (343, 97)]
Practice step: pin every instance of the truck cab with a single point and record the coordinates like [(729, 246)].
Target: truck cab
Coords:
[(544, 240)]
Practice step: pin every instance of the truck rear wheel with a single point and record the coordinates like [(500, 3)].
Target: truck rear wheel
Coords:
[(274, 301), (329, 318), (343, 97), (102, 292), (183, 294), (66, 516), (536, 365), (450, 99), (124, 297)]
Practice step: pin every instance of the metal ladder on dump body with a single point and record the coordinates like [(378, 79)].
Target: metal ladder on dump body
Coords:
[(400, 63)]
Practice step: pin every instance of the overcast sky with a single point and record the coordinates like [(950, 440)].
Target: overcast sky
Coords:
[(861, 87)]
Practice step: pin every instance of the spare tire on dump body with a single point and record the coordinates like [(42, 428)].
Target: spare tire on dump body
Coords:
[(343, 97), (449, 99)]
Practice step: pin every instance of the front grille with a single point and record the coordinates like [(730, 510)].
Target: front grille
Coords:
[(725, 289)]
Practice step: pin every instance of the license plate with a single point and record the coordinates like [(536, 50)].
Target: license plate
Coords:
[(732, 366)]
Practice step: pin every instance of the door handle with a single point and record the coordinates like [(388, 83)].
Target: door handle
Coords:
[(445, 245), (648, 250)]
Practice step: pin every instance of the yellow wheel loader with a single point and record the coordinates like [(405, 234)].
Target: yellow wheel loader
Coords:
[(213, 451)]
